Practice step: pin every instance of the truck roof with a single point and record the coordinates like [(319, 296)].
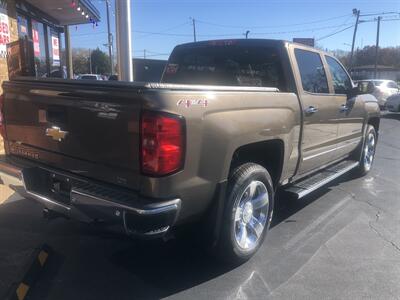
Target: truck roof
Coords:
[(253, 42)]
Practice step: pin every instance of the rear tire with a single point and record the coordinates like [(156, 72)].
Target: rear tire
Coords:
[(368, 150), (247, 213)]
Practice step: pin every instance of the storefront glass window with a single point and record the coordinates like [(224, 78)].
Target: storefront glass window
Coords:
[(39, 48), (22, 26), (62, 54), (55, 54)]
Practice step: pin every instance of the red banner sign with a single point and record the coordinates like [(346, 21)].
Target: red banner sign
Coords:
[(4, 32)]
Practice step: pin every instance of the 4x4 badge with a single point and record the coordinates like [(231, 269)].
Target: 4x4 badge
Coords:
[(56, 133)]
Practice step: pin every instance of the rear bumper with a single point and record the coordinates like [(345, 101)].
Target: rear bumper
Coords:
[(91, 201)]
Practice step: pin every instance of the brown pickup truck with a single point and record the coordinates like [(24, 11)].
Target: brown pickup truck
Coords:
[(231, 122)]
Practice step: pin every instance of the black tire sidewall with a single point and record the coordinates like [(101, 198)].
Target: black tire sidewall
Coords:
[(236, 186), (362, 168)]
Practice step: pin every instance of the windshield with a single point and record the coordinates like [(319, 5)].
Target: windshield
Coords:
[(232, 65)]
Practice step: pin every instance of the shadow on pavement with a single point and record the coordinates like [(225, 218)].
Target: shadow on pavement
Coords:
[(392, 116), (90, 263)]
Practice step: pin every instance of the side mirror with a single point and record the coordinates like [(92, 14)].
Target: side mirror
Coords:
[(354, 91)]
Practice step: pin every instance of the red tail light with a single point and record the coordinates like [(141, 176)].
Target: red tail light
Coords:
[(162, 143)]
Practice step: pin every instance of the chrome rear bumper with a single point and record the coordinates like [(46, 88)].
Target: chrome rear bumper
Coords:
[(94, 202)]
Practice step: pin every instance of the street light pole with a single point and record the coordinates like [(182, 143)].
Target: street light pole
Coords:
[(356, 12), (377, 46), (109, 38)]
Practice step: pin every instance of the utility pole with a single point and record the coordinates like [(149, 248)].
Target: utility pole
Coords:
[(194, 30), (377, 46), (144, 53), (68, 52), (356, 12), (247, 34), (109, 38)]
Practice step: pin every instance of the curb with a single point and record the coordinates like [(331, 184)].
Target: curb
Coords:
[(30, 275)]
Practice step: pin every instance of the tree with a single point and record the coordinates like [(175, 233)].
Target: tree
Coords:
[(80, 60), (100, 62), (389, 56)]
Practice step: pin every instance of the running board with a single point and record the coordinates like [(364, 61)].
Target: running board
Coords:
[(314, 182)]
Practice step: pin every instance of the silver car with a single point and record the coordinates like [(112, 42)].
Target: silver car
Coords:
[(89, 77), (382, 89), (393, 103)]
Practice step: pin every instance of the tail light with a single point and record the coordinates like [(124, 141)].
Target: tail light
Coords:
[(162, 143)]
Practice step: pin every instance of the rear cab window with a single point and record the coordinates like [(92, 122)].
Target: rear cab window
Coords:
[(226, 64), (312, 72)]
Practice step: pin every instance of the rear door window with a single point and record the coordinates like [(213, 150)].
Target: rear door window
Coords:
[(312, 72), (232, 65)]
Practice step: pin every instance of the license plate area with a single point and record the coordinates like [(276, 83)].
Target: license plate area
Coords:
[(48, 184)]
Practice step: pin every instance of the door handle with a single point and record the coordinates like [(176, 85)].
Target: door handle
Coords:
[(311, 110), (344, 108)]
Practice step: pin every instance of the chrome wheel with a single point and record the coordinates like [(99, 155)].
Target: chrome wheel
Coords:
[(251, 215), (369, 151)]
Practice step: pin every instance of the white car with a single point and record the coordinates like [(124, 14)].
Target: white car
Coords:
[(90, 77), (393, 103), (383, 89)]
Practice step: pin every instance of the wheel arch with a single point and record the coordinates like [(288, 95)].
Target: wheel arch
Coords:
[(269, 154), (374, 121)]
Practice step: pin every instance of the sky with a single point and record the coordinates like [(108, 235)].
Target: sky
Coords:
[(159, 25)]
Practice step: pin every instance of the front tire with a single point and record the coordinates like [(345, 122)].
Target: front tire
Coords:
[(368, 151), (247, 214)]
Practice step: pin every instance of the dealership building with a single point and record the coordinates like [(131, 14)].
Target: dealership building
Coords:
[(34, 36)]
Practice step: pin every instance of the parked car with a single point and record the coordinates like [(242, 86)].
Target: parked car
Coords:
[(383, 89), (57, 74), (232, 122), (393, 103), (113, 77), (90, 77)]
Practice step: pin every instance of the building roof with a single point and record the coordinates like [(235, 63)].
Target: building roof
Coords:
[(67, 12)]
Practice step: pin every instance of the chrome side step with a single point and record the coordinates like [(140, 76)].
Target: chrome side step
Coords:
[(314, 182)]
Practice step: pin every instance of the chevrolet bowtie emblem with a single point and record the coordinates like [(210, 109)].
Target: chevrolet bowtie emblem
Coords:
[(56, 133)]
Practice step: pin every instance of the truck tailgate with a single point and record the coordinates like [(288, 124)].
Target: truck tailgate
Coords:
[(91, 128)]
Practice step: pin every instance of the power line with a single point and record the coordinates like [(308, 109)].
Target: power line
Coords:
[(166, 30), (380, 14), (239, 34), (273, 26), (334, 33)]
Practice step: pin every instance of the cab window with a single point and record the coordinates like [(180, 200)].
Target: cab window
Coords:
[(341, 81), (232, 65), (312, 72)]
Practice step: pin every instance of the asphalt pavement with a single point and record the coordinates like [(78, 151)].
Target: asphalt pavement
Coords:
[(342, 242)]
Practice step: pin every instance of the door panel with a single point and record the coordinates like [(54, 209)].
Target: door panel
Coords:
[(319, 132), (320, 111), (350, 122), (349, 114)]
